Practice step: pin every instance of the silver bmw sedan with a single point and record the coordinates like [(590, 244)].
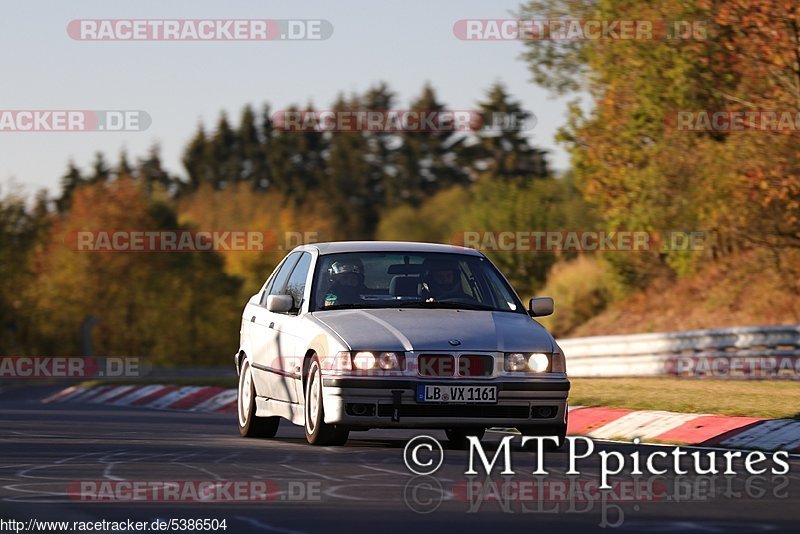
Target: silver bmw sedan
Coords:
[(348, 336)]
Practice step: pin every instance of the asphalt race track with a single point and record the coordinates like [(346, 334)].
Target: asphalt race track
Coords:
[(362, 487)]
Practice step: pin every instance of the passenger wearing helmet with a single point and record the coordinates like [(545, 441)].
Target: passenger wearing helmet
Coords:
[(347, 282), (442, 280)]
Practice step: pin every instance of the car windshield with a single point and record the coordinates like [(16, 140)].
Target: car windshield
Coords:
[(410, 280)]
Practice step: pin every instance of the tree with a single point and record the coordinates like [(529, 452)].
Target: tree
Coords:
[(153, 175), (101, 171), (196, 160), (500, 147), (172, 308), (425, 162), (19, 231), (71, 181), (643, 173)]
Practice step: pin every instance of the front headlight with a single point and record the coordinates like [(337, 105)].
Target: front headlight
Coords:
[(538, 362), (516, 361), (390, 361), (527, 362), (364, 360)]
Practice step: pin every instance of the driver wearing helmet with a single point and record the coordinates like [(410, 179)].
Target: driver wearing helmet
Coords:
[(346, 279), (442, 280)]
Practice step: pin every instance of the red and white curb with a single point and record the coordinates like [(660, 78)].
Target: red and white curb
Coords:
[(209, 399), (602, 423), (690, 429)]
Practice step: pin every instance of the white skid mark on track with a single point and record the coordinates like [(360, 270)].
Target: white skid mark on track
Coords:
[(304, 471), (265, 526), (386, 471)]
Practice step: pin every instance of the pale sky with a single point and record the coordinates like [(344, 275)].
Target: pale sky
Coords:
[(179, 84)]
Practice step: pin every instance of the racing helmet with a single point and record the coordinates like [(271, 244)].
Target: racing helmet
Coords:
[(342, 267), (432, 268)]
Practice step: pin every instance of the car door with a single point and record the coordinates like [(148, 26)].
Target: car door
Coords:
[(264, 336), (290, 328)]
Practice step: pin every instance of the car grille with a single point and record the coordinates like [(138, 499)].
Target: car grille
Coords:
[(446, 365), (436, 365), (475, 365)]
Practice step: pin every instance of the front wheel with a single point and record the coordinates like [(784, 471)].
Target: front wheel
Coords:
[(317, 431), (250, 425)]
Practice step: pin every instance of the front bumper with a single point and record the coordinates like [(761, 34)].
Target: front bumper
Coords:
[(391, 403)]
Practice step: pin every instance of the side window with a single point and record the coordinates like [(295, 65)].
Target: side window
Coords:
[(278, 282), (296, 285)]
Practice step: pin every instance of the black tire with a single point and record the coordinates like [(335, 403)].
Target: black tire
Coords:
[(458, 436), (251, 426), (317, 431)]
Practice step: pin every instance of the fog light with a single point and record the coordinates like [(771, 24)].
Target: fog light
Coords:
[(544, 412), (360, 409)]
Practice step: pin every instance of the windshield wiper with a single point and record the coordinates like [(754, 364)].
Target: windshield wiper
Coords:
[(348, 307), (444, 304)]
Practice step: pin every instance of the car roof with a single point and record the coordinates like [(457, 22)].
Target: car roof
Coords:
[(338, 247)]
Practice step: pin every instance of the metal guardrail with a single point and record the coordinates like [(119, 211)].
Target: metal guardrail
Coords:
[(750, 352)]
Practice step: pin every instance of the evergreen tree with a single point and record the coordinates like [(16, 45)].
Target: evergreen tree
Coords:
[(347, 180), (101, 172), (124, 168), (502, 148), (223, 151), (195, 159), (427, 162), (152, 174), (250, 150), (72, 180)]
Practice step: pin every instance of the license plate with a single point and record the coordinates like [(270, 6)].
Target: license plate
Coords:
[(457, 394)]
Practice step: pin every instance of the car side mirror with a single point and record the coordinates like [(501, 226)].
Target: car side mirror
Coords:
[(540, 307), (280, 303)]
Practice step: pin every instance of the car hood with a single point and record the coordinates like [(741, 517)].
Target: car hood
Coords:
[(420, 329)]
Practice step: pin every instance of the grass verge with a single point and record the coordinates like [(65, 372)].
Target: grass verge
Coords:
[(771, 399)]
